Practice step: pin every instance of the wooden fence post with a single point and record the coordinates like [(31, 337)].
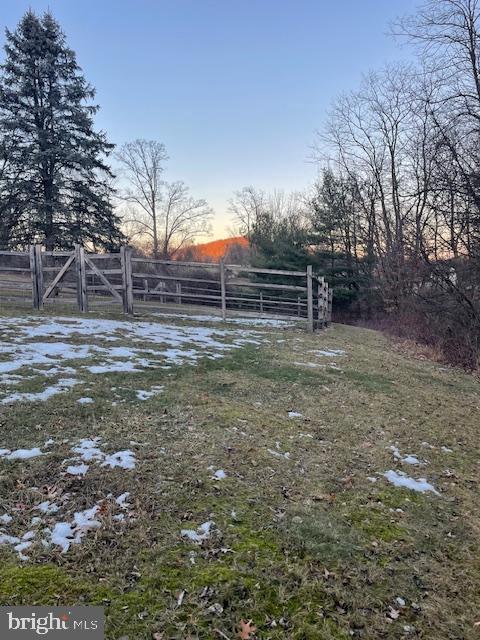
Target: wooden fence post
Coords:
[(320, 300), (39, 269), (330, 301), (261, 301), (145, 288), (126, 260), (309, 298), (34, 278), (223, 289), (81, 272), (178, 291)]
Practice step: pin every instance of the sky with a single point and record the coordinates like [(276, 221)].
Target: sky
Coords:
[(235, 89)]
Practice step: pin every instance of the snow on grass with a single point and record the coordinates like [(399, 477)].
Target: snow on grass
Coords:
[(78, 469), (47, 507), (295, 414), (408, 459), (20, 454), (42, 347), (122, 500), (252, 322), (60, 387), (85, 401), (123, 459), (200, 534), (279, 454), (400, 479), (5, 518), (146, 395), (328, 353), (88, 450), (219, 475)]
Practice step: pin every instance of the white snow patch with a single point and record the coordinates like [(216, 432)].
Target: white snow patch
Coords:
[(124, 459), (295, 414), (146, 395), (88, 450), (200, 534), (122, 500), (279, 454), (78, 470), (408, 459), (253, 322), (85, 401), (219, 475), (163, 345), (328, 353), (5, 518), (21, 454), (47, 507), (400, 479), (41, 396)]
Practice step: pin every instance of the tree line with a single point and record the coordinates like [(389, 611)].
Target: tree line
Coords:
[(394, 217), (57, 185)]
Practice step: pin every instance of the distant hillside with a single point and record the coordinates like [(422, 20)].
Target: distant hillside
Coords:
[(213, 251)]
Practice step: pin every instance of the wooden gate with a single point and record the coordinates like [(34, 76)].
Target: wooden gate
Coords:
[(77, 275)]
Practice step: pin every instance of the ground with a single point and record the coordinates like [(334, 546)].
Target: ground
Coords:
[(210, 480)]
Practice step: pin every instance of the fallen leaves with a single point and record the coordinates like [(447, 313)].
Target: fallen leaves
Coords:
[(247, 630)]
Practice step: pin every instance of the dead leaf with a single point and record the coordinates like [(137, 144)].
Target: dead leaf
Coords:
[(247, 630), (393, 613)]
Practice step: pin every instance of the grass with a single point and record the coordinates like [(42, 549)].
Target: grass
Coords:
[(305, 546)]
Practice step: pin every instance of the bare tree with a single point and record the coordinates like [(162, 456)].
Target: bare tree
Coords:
[(163, 212), (142, 163), (245, 207), (183, 218)]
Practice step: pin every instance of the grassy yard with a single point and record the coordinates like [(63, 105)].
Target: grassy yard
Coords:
[(306, 538)]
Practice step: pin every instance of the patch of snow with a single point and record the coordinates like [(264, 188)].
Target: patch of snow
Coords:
[(163, 345), (146, 395), (41, 396), (5, 518), (66, 533), (123, 459), (328, 353), (21, 454), (88, 450), (219, 475), (62, 535), (200, 534), (408, 459), (400, 479), (122, 500), (312, 365), (295, 414), (279, 454), (85, 401), (253, 322), (78, 470), (446, 449), (47, 507)]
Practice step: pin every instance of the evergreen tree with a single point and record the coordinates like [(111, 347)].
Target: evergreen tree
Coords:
[(46, 115)]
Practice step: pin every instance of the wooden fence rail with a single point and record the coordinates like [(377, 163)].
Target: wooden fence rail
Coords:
[(81, 277)]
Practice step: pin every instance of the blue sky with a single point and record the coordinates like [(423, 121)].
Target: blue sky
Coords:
[(234, 88)]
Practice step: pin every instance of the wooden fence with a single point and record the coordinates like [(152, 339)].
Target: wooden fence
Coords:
[(127, 280)]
